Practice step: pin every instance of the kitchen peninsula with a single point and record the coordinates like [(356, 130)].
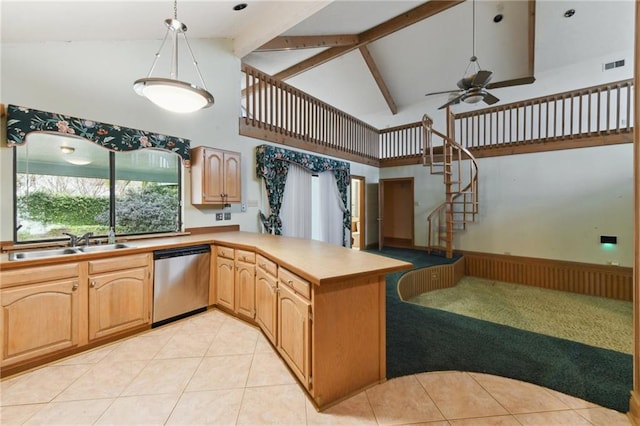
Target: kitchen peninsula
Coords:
[(321, 306)]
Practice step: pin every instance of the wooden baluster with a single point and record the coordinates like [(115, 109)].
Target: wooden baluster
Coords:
[(571, 108), (563, 116), (629, 97), (618, 124), (608, 109), (589, 105), (246, 96)]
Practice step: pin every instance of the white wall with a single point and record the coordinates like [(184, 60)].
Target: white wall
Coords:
[(94, 80), (552, 205)]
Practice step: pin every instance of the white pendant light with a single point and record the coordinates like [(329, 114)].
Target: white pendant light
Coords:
[(170, 93)]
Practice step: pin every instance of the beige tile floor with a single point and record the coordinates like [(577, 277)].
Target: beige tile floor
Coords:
[(214, 369)]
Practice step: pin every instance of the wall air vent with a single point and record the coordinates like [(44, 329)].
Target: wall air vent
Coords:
[(611, 65)]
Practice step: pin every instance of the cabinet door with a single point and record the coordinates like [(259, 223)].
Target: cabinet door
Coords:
[(213, 175), (225, 277), (266, 304), (232, 181), (294, 332), (118, 301), (245, 286), (39, 319)]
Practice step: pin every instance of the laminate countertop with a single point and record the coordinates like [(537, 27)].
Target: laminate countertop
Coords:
[(318, 262)]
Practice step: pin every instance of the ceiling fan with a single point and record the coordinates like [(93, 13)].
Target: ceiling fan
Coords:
[(473, 86)]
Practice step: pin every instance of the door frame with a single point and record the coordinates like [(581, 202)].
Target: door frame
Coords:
[(362, 228)]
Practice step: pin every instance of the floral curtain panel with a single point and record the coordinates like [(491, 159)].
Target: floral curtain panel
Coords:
[(272, 165), (21, 121)]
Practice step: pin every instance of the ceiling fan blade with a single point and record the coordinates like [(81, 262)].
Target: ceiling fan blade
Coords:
[(513, 82), (440, 93), (482, 78), (453, 101), (489, 99)]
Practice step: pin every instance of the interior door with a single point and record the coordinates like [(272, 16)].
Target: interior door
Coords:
[(395, 213)]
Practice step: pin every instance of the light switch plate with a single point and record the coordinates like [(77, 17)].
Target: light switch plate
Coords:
[(218, 216), (227, 216)]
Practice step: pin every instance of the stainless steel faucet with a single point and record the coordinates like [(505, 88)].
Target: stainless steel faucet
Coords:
[(74, 240)]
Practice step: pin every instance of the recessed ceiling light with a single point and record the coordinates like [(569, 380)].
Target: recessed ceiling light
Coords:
[(239, 6), (497, 18), (569, 13)]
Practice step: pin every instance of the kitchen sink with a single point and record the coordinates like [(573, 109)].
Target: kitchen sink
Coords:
[(103, 247), (36, 254)]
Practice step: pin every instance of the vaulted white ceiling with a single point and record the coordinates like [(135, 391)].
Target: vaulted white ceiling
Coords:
[(428, 56)]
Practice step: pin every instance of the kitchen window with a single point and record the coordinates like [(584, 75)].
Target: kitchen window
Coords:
[(66, 184)]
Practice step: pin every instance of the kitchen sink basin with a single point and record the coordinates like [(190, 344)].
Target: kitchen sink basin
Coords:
[(36, 254), (103, 247)]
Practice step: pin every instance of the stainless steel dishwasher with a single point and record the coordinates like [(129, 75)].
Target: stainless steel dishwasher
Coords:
[(180, 282)]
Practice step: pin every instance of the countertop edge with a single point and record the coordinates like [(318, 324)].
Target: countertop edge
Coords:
[(237, 239)]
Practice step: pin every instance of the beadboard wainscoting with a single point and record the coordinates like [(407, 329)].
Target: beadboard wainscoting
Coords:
[(418, 281), (613, 282)]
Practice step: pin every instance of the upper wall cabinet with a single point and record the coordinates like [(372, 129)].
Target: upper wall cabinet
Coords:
[(215, 176)]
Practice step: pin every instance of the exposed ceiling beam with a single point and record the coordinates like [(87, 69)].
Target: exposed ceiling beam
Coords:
[(404, 20), (308, 42), (256, 33), (375, 72)]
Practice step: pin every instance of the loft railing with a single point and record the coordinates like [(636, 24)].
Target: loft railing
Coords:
[(402, 142), (276, 111), (594, 111)]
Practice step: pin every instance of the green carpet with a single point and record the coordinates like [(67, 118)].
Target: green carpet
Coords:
[(423, 339)]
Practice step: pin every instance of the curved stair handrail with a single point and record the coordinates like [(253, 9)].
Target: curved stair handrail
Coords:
[(447, 162)]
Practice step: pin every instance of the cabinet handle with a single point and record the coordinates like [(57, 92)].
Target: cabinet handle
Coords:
[(75, 286), (263, 265), (92, 284), (290, 282)]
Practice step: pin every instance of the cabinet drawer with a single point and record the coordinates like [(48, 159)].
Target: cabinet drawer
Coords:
[(297, 284), (225, 252), (121, 262), (267, 265), (245, 256), (38, 274)]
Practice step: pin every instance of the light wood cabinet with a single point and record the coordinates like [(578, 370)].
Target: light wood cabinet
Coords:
[(119, 294), (225, 277), (235, 280), (245, 282), (267, 297), (215, 176), (47, 311), (294, 325), (39, 316)]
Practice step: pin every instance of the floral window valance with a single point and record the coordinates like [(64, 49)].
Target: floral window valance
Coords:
[(272, 165), (21, 121)]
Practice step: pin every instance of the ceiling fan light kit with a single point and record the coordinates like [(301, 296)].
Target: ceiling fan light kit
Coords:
[(472, 86), (170, 93)]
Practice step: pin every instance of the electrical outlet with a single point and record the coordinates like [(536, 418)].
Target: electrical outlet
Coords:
[(243, 207), (227, 216), (218, 216)]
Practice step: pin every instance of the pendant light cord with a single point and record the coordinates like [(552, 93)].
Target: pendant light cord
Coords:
[(175, 9), (473, 26)]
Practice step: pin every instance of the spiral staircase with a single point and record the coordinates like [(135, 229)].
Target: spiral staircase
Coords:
[(444, 156)]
